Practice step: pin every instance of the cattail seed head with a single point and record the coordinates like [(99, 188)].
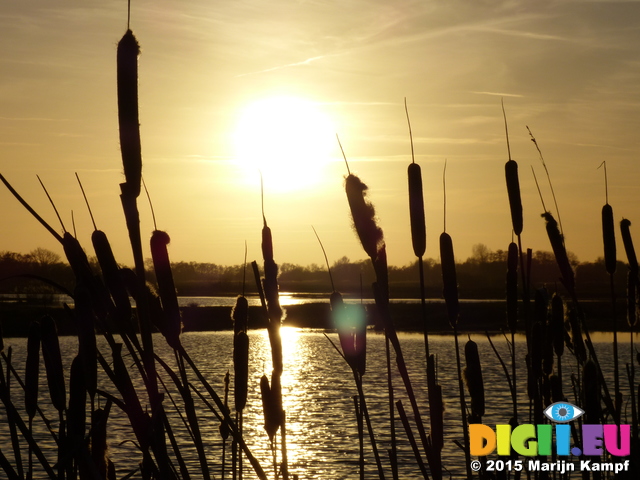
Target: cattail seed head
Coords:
[(269, 408), (473, 379), (627, 241), (32, 370), (127, 77), (53, 362), (513, 190), (111, 273), (609, 239), (76, 415), (241, 369), (267, 243), (166, 287), (416, 210), (335, 300), (449, 279), (240, 315), (363, 214), (560, 252)]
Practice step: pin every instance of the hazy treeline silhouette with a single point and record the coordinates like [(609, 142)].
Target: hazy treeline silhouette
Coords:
[(482, 275)]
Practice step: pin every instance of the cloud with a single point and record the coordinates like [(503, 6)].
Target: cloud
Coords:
[(308, 61), (498, 94)]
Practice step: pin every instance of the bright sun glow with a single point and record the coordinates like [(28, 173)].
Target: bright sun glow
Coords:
[(288, 139)]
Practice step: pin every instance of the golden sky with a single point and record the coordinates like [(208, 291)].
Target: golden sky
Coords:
[(230, 87)]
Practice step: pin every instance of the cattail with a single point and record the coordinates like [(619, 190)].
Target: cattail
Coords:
[(363, 214), (88, 350), (416, 210), (77, 258), (76, 416), (32, 370), (336, 301), (269, 408), (473, 379), (557, 324), (512, 287), (166, 286), (224, 425), (111, 273), (241, 369), (559, 251), (513, 190), (449, 280), (53, 362), (609, 239), (267, 243), (351, 324), (628, 245), (240, 315), (127, 62)]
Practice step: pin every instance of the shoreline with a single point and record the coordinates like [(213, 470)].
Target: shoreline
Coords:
[(476, 316)]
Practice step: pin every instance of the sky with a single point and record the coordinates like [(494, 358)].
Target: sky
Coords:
[(229, 89)]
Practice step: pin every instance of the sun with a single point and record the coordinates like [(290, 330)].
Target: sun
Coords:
[(290, 140)]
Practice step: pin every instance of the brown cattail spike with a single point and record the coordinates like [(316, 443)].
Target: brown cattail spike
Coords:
[(53, 363), (166, 287), (628, 245), (449, 279), (76, 415), (241, 369), (473, 379), (513, 190), (363, 214), (609, 239), (559, 251), (239, 315), (416, 210), (32, 370), (127, 61)]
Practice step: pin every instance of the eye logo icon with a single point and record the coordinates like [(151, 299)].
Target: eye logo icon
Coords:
[(563, 412)]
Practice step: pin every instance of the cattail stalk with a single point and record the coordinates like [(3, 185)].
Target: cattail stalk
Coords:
[(166, 288), (371, 238)]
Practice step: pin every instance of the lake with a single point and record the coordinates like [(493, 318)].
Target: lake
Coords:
[(318, 388)]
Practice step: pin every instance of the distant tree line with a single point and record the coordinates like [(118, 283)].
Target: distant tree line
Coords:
[(480, 276)]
